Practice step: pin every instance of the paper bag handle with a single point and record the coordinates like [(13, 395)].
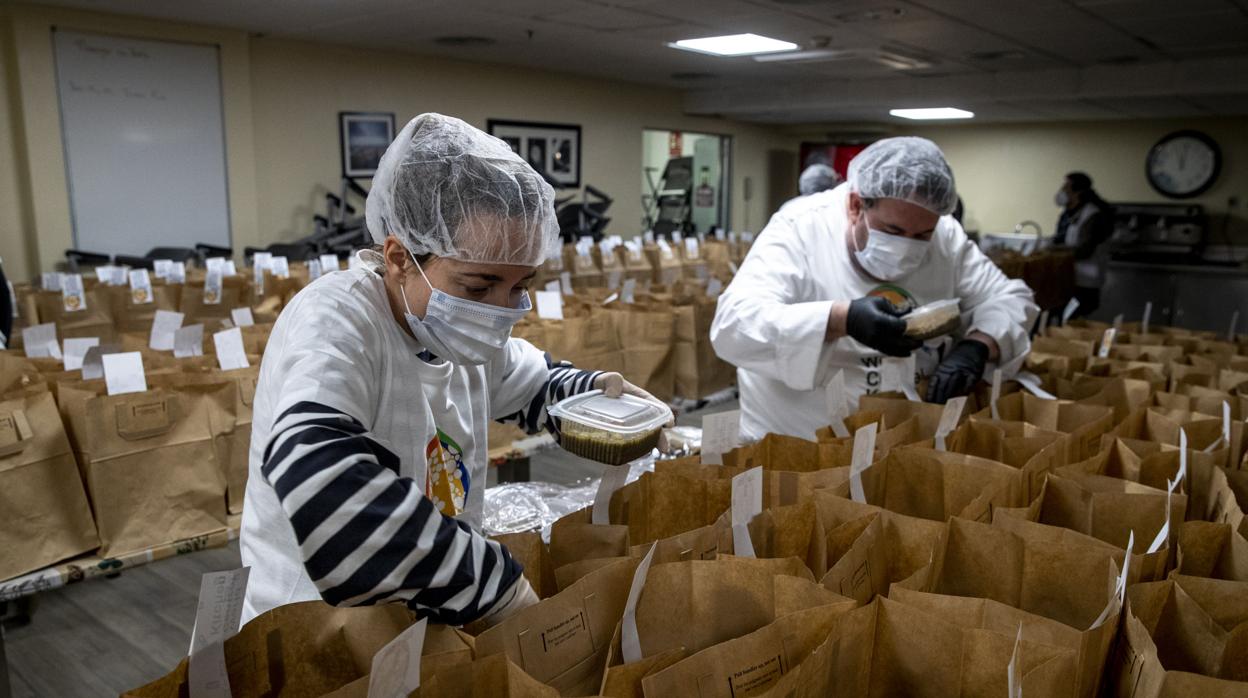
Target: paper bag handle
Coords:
[(15, 432), (145, 418)]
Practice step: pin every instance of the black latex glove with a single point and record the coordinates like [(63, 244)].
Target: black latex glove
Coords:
[(959, 372), (875, 322)]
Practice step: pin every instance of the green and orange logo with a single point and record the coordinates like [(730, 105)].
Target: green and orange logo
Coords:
[(896, 295)]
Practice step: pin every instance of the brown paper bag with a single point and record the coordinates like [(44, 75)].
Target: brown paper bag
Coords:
[(699, 370), (1084, 423), (1092, 509), (137, 317), (44, 515), (235, 293), (934, 485), (1184, 636), (308, 649), (1208, 549), (528, 549), (150, 460), (494, 675), (1122, 394), (563, 640), (650, 338), (95, 320), (898, 649), (749, 664), (858, 550), (1071, 584), (1032, 451)]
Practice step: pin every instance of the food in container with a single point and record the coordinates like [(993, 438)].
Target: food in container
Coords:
[(611, 430), (933, 320)]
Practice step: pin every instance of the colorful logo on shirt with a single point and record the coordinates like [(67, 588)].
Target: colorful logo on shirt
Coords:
[(896, 295), (448, 482)]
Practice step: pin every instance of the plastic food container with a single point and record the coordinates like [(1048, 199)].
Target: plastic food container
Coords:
[(933, 320), (611, 430)]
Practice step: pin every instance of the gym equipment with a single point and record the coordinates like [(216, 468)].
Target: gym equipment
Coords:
[(668, 206), (584, 218)]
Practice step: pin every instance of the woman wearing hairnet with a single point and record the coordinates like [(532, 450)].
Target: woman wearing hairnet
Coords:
[(823, 288), (368, 451)]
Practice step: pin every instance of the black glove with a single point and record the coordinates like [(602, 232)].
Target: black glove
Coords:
[(875, 322), (959, 372)]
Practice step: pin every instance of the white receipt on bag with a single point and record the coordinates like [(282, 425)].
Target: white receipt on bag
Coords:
[(747, 502), (164, 326), (838, 404), (864, 452), (230, 351), (242, 317), (949, 417), (123, 373), (217, 616), (721, 432), (613, 478), (549, 305), (40, 341), (189, 341), (630, 640), (395, 671), (76, 349), (996, 393)]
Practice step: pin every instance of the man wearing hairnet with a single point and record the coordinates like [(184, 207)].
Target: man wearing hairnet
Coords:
[(824, 289), (368, 452)]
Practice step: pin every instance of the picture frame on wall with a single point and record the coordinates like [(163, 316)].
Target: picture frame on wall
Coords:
[(364, 137), (552, 149)]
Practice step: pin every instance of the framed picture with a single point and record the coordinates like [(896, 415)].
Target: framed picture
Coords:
[(552, 149), (364, 137)]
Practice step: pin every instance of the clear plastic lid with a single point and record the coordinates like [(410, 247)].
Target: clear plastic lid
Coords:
[(933, 319), (621, 415)]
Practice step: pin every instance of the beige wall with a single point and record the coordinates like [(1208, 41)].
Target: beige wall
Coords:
[(296, 123), (281, 101), (1009, 173), (41, 183)]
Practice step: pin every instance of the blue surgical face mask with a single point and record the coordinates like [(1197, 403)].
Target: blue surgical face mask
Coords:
[(461, 331)]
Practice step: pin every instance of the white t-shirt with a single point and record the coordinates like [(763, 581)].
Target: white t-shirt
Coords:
[(773, 317), (338, 345)]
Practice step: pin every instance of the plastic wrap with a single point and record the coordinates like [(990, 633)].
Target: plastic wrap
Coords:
[(515, 507)]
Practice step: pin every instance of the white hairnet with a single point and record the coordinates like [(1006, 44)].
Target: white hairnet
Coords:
[(907, 168), (816, 178), (448, 189)]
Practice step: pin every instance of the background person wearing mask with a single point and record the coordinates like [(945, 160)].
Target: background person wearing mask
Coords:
[(823, 288), (368, 452), (1086, 224)]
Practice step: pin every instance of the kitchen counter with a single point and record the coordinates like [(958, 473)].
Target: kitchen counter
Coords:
[(1218, 269), (1195, 296)]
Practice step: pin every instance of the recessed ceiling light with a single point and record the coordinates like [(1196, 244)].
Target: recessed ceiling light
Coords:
[(734, 45), (932, 113)]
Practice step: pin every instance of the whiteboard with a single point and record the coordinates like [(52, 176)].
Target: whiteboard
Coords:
[(144, 142)]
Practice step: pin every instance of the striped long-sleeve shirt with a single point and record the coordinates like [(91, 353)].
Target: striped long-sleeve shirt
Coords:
[(352, 432)]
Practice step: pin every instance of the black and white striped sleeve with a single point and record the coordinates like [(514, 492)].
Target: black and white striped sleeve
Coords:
[(562, 380), (368, 535)]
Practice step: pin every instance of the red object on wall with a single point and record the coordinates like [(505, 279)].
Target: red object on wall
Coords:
[(674, 145), (837, 155)]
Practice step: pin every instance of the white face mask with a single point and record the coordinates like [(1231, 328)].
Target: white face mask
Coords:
[(1061, 198), (463, 332), (890, 257)]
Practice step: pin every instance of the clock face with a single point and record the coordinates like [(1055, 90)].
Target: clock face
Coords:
[(1183, 164)]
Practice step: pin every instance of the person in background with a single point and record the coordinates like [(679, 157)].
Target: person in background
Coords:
[(368, 452), (825, 285), (816, 178), (1086, 224)]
